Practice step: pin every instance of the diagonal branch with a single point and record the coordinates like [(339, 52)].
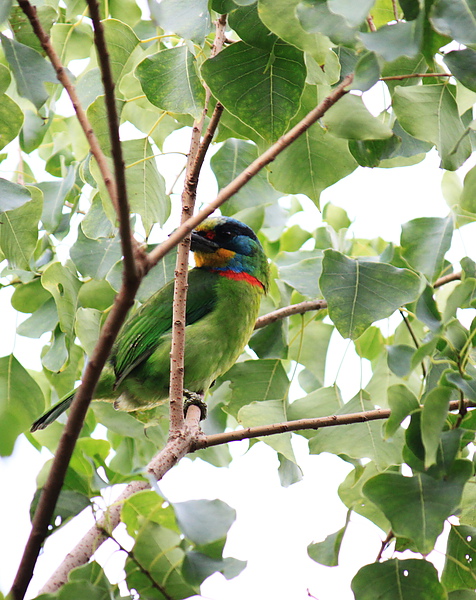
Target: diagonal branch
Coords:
[(130, 267), (264, 159), (173, 451)]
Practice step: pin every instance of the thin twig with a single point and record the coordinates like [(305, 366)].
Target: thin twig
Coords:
[(371, 24), (287, 311), (447, 279), (385, 543), (412, 75), (192, 172), (414, 338), (301, 425), (268, 156)]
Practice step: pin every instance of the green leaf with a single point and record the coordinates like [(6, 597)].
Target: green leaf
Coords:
[(11, 120), (63, 286), (158, 551), (402, 402), (418, 506), (395, 579), (319, 18), (359, 440), (204, 521), (198, 566), (360, 293), (95, 258), (430, 113), (400, 359), (367, 72), (189, 19), (97, 115), (54, 196), (21, 401), (303, 275), (145, 185), (315, 161), (353, 12), (87, 327), (12, 195), (433, 418), (467, 200), (19, 227), (350, 492), (425, 242), (33, 131), (30, 69), (56, 355), (42, 320), (255, 381), (69, 504), (395, 40), (280, 17), (327, 552), (456, 19), (309, 345), (462, 64), (459, 571), (266, 412), (230, 160), (121, 42), (246, 22), (170, 81), (350, 119), (243, 78)]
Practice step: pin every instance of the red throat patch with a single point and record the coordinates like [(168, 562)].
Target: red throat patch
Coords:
[(241, 276)]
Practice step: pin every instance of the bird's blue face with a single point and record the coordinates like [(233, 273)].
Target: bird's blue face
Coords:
[(225, 244)]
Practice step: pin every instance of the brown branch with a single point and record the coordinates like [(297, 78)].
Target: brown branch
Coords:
[(130, 266), (370, 23), (412, 75), (264, 159), (287, 311), (129, 244), (384, 545), (192, 172), (308, 305), (173, 451), (300, 425), (79, 407), (122, 303), (447, 279)]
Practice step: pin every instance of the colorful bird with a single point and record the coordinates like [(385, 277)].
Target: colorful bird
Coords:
[(225, 289)]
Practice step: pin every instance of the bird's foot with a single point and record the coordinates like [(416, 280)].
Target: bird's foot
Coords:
[(196, 399)]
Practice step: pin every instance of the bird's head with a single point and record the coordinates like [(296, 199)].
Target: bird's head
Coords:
[(230, 247)]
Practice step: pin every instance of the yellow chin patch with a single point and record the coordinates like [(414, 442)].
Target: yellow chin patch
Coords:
[(220, 258)]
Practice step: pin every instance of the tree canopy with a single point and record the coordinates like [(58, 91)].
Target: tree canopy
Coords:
[(276, 91)]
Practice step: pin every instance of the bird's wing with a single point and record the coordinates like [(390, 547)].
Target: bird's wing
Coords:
[(142, 332)]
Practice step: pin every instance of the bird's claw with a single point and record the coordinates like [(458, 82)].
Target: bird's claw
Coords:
[(197, 400)]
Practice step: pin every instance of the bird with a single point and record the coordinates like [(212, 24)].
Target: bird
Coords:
[(225, 288)]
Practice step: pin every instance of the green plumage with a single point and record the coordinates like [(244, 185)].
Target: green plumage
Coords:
[(223, 300)]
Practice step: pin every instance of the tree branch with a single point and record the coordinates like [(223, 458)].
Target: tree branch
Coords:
[(264, 159), (412, 75), (122, 303), (192, 172), (130, 266), (302, 424), (175, 449), (62, 75)]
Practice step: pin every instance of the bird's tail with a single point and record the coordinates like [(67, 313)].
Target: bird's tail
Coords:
[(53, 413)]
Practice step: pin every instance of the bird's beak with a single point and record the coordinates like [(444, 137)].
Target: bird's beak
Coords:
[(202, 244)]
